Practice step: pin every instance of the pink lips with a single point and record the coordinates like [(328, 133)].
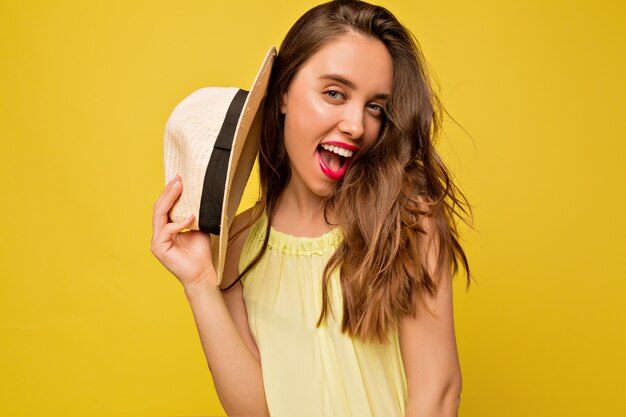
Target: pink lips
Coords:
[(342, 145), (336, 175)]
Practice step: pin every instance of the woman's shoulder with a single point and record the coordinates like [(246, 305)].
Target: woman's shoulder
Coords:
[(238, 234)]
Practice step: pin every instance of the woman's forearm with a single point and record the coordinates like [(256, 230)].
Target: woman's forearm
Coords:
[(236, 372)]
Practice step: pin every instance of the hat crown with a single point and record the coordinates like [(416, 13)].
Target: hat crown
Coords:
[(190, 136)]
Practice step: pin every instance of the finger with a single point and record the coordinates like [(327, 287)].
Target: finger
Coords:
[(168, 187), (170, 230), (164, 204)]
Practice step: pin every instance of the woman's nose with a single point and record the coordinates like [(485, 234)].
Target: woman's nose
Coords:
[(352, 122)]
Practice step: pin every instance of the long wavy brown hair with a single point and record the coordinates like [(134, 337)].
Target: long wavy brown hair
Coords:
[(389, 188)]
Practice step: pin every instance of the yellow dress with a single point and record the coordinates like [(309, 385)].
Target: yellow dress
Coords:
[(309, 371)]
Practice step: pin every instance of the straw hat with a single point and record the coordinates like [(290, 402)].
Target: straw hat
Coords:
[(211, 141)]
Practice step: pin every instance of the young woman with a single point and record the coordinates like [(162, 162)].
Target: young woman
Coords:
[(336, 298)]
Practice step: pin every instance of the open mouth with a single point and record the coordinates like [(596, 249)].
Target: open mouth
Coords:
[(333, 160)]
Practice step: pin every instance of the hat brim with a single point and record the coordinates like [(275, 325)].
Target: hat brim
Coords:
[(244, 149)]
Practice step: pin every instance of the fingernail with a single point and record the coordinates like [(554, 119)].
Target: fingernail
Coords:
[(177, 184)]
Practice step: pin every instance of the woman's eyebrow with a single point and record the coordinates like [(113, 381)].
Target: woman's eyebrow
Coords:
[(339, 79), (350, 84)]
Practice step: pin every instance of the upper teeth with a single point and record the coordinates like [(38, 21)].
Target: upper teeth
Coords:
[(339, 151)]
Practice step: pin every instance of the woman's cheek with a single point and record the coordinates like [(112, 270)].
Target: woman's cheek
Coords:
[(372, 130)]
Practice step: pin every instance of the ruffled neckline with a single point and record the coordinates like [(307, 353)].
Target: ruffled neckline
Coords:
[(298, 245)]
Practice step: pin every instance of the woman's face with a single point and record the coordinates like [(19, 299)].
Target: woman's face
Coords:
[(333, 107)]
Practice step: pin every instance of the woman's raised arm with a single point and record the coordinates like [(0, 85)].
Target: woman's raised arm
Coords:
[(236, 370)]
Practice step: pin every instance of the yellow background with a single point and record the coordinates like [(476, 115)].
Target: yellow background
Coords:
[(92, 325)]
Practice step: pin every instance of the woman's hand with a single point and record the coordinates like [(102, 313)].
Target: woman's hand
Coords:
[(186, 255)]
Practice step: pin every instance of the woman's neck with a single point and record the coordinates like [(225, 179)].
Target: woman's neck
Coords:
[(299, 212)]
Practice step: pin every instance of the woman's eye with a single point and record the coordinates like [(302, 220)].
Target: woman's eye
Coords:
[(377, 109), (334, 94)]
